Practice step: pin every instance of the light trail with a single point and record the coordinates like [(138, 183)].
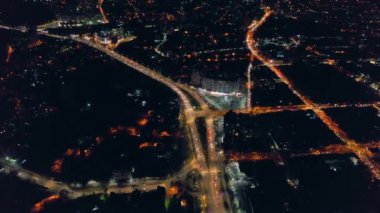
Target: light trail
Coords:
[(336, 149), (363, 154), (253, 156), (304, 107), (113, 46), (377, 106), (39, 207), (216, 162), (100, 7), (258, 110), (22, 29), (55, 186)]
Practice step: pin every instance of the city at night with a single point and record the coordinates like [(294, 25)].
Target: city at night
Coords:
[(190, 106)]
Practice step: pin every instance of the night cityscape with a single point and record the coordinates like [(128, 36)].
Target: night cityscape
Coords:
[(190, 106)]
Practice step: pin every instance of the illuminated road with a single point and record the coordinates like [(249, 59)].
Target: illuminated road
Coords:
[(121, 41), (257, 110), (157, 48), (276, 157), (203, 105), (101, 10), (55, 186), (216, 161), (211, 191), (20, 29), (362, 153)]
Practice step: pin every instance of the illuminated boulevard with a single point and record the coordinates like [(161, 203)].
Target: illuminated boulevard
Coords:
[(363, 153)]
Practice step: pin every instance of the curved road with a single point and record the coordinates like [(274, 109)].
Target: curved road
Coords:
[(211, 189)]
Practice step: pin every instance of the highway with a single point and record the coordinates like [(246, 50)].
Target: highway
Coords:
[(211, 191), (216, 160)]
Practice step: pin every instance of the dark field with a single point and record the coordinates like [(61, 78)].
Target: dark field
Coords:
[(291, 132), (311, 184), (361, 124)]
